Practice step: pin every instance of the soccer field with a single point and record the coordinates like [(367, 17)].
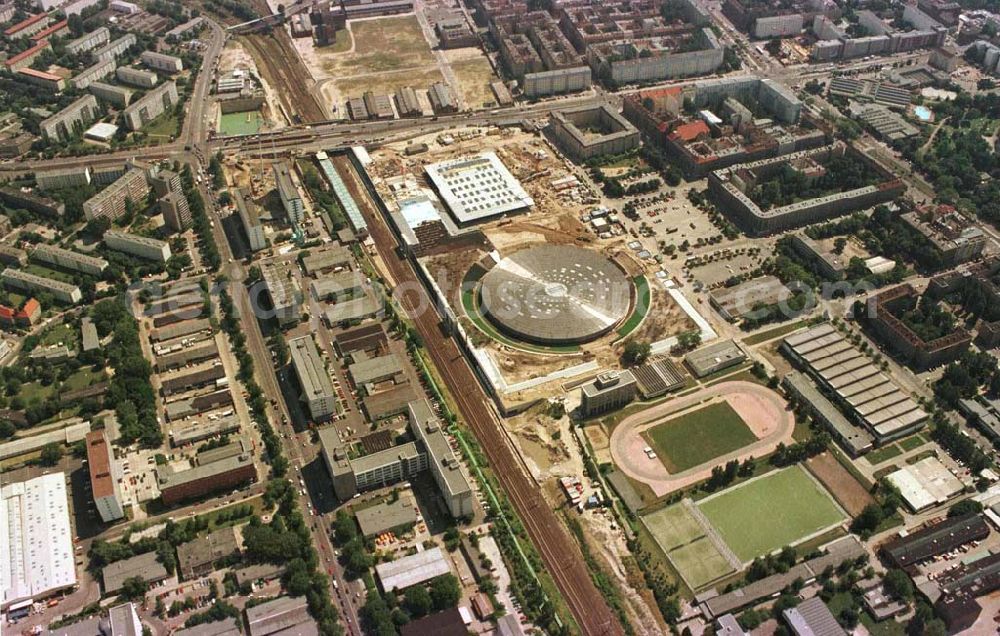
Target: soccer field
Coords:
[(700, 436), (763, 515)]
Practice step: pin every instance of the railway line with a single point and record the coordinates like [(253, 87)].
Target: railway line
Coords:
[(283, 69), (557, 548)]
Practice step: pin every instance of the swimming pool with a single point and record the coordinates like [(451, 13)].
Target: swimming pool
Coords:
[(923, 113)]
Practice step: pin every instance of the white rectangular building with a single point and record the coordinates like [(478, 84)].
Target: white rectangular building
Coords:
[(317, 389), (36, 542), (478, 188), (412, 570), (142, 246)]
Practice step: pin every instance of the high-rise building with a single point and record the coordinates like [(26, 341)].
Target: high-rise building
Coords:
[(289, 194), (173, 203), (104, 476), (111, 201)]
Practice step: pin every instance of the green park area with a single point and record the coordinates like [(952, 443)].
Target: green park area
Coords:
[(781, 508), (699, 436)]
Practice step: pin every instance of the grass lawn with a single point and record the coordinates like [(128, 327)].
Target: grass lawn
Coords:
[(699, 436), (59, 333), (770, 334), (382, 44), (39, 270), (682, 540), (31, 391), (80, 380), (164, 127), (883, 454), (643, 297), (761, 516), (912, 443)]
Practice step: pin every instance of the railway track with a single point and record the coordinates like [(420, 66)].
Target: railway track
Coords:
[(283, 70), (558, 550)]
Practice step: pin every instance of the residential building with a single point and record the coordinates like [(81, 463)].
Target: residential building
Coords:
[(117, 96), (26, 58), (317, 389), (111, 202), (94, 73), (88, 41), (48, 82), (151, 105), (289, 194), (173, 203), (57, 30), (28, 200), (161, 62), (105, 477), (588, 132), (59, 178), (141, 246), (28, 315), (71, 120), (68, 259), (63, 292), (136, 77), (28, 26), (114, 49)]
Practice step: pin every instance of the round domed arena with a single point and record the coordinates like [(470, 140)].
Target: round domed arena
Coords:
[(555, 295)]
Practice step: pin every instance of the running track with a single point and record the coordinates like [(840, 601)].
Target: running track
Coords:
[(558, 549)]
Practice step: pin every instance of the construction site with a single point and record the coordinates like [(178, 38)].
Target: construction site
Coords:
[(529, 242)]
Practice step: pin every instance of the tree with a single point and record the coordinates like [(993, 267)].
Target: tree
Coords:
[(445, 592), (965, 507), (898, 585), (133, 589), (635, 353), (51, 454), (418, 601)]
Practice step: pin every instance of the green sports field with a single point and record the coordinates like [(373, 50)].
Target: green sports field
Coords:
[(697, 437), (765, 514), (683, 541)]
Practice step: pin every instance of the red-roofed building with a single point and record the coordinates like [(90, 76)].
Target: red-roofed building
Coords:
[(28, 57), (690, 131), (56, 30), (47, 81), (28, 26), (26, 316)]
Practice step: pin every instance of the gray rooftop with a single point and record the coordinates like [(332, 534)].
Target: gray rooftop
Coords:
[(277, 615), (309, 368), (813, 618), (385, 516), (225, 627), (207, 549), (168, 479), (427, 427), (373, 369), (144, 566)]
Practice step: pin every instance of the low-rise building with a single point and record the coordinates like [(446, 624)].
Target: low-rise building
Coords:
[(933, 539), (48, 82), (23, 198), (205, 478), (286, 616), (397, 517), (59, 178), (715, 357), (405, 572), (750, 298), (145, 566), (442, 98), (198, 557), (26, 58)]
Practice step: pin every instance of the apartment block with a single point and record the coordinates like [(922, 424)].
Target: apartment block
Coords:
[(150, 106), (19, 279), (68, 259), (118, 96), (136, 77), (88, 41), (48, 82), (70, 120), (94, 73), (110, 202), (142, 246), (249, 213), (26, 58), (63, 178), (28, 27), (113, 49), (161, 62)]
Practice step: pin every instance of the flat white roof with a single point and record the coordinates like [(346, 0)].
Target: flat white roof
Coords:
[(102, 131), (36, 546), (478, 187), (411, 570), (926, 483)]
